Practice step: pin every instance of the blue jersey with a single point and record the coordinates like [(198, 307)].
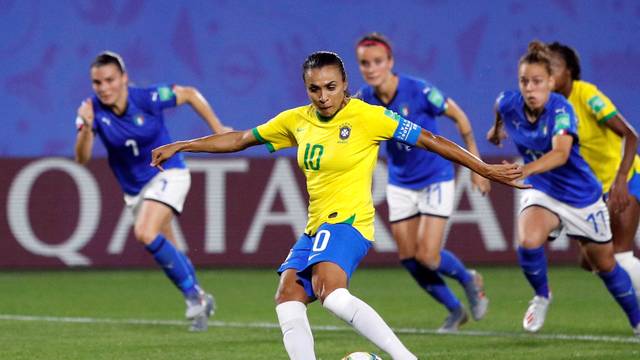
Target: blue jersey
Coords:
[(420, 102), (130, 138), (572, 183)]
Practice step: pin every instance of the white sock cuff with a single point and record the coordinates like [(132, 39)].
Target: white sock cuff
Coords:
[(291, 310), (337, 299), (622, 256)]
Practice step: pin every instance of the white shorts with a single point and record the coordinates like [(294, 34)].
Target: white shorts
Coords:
[(169, 187), (591, 222), (434, 200)]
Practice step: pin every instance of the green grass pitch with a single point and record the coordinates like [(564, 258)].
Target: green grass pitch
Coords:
[(138, 315)]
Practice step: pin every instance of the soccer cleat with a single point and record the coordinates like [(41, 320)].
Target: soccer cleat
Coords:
[(453, 322), (199, 311), (536, 313), (478, 302)]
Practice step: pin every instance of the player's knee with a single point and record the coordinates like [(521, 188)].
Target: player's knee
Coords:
[(322, 288), (604, 263), (430, 260), (530, 243), (287, 292), (143, 234)]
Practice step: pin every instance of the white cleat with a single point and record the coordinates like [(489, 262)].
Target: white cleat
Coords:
[(200, 311), (478, 301), (536, 313), (453, 322)]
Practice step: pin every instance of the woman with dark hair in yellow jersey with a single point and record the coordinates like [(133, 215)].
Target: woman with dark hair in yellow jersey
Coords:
[(609, 144), (337, 139)]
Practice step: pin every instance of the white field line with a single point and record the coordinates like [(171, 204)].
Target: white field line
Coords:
[(265, 325)]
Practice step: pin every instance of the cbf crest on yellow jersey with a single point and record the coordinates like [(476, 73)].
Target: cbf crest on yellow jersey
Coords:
[(337, 156), (600, 146)]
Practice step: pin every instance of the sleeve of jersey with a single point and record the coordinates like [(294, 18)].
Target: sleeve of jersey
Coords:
[(274, 133), (564, 122), (436, 101), (600, 105), (394, 126), (163, 96)]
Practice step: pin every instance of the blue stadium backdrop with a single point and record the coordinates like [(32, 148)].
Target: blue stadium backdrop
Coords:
[(245, 57)]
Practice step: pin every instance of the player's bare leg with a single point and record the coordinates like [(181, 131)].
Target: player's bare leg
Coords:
[(624, 226), (535, 223), (291, 308), (615, 279), (330, 285), (154, 217)]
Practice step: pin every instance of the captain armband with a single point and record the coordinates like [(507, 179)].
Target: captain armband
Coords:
[(407, 132)]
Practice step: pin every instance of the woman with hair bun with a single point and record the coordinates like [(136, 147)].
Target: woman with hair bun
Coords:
[(565, 192)]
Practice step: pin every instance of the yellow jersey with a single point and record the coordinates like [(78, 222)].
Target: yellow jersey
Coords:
[(600, 146), (337, 155)]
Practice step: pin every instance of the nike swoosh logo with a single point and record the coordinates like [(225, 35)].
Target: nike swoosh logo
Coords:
[(312, 256)]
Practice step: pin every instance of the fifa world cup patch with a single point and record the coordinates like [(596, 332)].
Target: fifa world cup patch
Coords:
[(563, 122), (345, 131), (165, 93), (596, 104), (435, 97)]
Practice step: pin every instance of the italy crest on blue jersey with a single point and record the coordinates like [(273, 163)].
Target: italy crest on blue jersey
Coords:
[(573, 183), (419, 102)]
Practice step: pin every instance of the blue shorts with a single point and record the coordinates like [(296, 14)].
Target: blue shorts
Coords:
[(340, 244)]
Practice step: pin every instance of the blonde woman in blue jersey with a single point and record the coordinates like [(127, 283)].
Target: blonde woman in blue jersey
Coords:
[(609, 144), (337, 139), (421, 185), (565, 193), (130, 122)]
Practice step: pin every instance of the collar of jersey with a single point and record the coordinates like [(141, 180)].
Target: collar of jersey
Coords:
[(326, 119)]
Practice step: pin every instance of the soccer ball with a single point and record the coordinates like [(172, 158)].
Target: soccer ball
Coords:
[(362, 356)]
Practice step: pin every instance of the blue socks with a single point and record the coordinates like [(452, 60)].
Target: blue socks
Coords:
[(619, 285), (432, 283), (452, 267), (176, 266), (534, 265)]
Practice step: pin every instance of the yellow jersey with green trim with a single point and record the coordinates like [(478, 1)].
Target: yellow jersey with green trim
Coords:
[(600, 146), (337, 155)]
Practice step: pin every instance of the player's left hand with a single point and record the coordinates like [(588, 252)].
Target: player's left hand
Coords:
[(480, 184), (618, 195), (161, 154)]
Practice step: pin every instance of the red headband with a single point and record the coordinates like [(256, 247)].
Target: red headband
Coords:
[(374, 42)]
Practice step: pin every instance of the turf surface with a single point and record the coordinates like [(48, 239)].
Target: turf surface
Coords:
[(138, 315)]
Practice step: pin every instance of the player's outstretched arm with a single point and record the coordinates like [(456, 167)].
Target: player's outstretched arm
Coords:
[(220, 143), (84, 137), (193, 97), (505, 173)]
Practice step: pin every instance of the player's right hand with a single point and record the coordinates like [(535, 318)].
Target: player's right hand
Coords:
[(161, 154), (495, 135), (85, 111), (508, 174)]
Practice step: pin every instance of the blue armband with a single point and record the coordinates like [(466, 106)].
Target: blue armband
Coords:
[(407, 132)]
